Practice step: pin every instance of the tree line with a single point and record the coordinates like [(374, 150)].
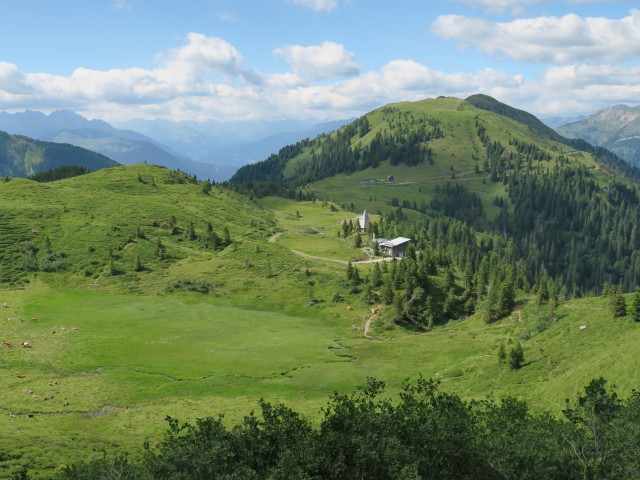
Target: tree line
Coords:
[(422, 433), (341, 152)]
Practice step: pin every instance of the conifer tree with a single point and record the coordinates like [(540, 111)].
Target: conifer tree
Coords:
[(357, 242), (634, 310), (386, 293), (137, 263), (349, 272), (516, 356), (160, 251), (618, 304)]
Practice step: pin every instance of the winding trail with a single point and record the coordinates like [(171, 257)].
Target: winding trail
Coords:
[(368, 322)]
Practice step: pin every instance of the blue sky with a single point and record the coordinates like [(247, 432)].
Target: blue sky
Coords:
[(327, 59)]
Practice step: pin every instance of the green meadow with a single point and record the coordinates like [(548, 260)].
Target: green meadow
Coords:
[(111, 354), (118, 364)]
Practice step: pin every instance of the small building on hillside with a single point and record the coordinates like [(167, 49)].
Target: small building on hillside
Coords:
[(396, 247), (363, 222)]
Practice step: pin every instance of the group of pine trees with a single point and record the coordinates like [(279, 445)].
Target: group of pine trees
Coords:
[(338, 152)]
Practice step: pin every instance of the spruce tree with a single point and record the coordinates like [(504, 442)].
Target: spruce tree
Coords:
[(634, 311), (516, 356), (618, 304)]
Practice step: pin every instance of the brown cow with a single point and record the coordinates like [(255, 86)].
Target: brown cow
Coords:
[(349, 308)]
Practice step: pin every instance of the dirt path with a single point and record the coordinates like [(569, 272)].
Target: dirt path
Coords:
[(344, 262), (368, 322), (274, 238)]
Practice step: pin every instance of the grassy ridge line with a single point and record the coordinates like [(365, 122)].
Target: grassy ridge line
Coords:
[(86, 216)]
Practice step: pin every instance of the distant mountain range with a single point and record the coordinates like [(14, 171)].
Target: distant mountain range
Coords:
[(22, 156), (232, 143), (208, 150), (616, 128), (123, 146), (555, 122)]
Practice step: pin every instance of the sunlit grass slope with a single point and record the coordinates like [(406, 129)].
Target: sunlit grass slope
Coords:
[(457, 156), (117, 364)]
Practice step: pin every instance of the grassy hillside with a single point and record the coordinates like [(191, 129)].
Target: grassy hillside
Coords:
[(117, 364), (125, 211), (459, 155), (22, 156), (156, 295)]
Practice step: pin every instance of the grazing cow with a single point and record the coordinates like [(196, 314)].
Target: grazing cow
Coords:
[(20, 376), (349, 308), (25, 345), (8, 344), (33, 319), (74, 328)]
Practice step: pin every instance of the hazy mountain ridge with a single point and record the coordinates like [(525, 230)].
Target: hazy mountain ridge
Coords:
[(616, 128), (21, 156), (123, 146), (206, 149), (232, 144)]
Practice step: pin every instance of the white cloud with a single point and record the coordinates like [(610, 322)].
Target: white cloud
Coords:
[(308, 64), (206, 79), (516, 7), (564, 40), (205, 53), (12, 81), (318, 5)]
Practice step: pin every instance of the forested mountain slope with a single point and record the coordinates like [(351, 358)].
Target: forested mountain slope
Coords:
[(549, 205), (22, 156)]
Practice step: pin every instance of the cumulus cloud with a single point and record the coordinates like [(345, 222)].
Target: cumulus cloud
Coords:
[(318, 5), (567, 39), (317, 62), (206, 79)]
